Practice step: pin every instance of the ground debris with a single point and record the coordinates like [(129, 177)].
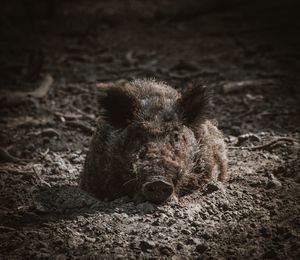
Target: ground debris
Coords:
[(269, 145), (40, 92), (82, 126), (191, 75), (236, 86), (248, 136), (50, 132), (6, 157)]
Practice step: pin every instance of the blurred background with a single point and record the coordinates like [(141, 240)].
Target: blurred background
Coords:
[(84, 40)]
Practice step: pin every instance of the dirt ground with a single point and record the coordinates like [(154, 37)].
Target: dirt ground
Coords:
[(44, 136)]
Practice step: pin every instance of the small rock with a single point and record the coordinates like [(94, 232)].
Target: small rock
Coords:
[(145, 245), (166, 250), (192, 241), (90, 239), (273, 182), (196, 223), (119, 251), (231, 139), (179, 246), (134, 245), (201, 248), (185, 232), (155, 222), (206, 235), (212, 187)]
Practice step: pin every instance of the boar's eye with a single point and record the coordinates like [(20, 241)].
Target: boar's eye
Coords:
[(176, 136), (139, 134), (134, 137)]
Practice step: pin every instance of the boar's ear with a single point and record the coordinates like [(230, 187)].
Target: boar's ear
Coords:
[(194, 106), (120, 105)]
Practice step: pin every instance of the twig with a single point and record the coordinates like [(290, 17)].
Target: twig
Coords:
[(234, 86), (192, 75), (244, 137), (40, 92), (129, 182), (43, 89), (86, 129), (50, 132), (267, 145), (43, 154), (68, 115), (6, 157)]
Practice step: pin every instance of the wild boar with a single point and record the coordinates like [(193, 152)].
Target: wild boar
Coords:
[(152, 141)]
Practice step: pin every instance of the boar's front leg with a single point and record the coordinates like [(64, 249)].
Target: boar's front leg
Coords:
[(219, 149), (222, 161), (212, 154)]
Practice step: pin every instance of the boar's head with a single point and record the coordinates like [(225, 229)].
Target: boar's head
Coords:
[(154, 133)]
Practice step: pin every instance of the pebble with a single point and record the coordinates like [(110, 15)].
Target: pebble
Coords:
[(179, 246), (185, 232), (192, 241), (201, 248), (212, 187), (166, 250), (273, 182), (145, 245)]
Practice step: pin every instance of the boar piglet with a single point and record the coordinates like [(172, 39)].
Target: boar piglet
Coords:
[(151, 142)]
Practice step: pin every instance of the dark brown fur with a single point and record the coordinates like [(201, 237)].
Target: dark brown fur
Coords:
[(149, 129)]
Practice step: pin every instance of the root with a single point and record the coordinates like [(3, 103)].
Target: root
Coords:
[(5, 156), (129, 182), (267, 145), (40, 92)]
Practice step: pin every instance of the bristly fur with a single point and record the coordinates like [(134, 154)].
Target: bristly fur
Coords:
[(195, 104), (120, 105), (150, 129)]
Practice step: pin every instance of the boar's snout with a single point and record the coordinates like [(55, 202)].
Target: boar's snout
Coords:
[(157, 190)]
